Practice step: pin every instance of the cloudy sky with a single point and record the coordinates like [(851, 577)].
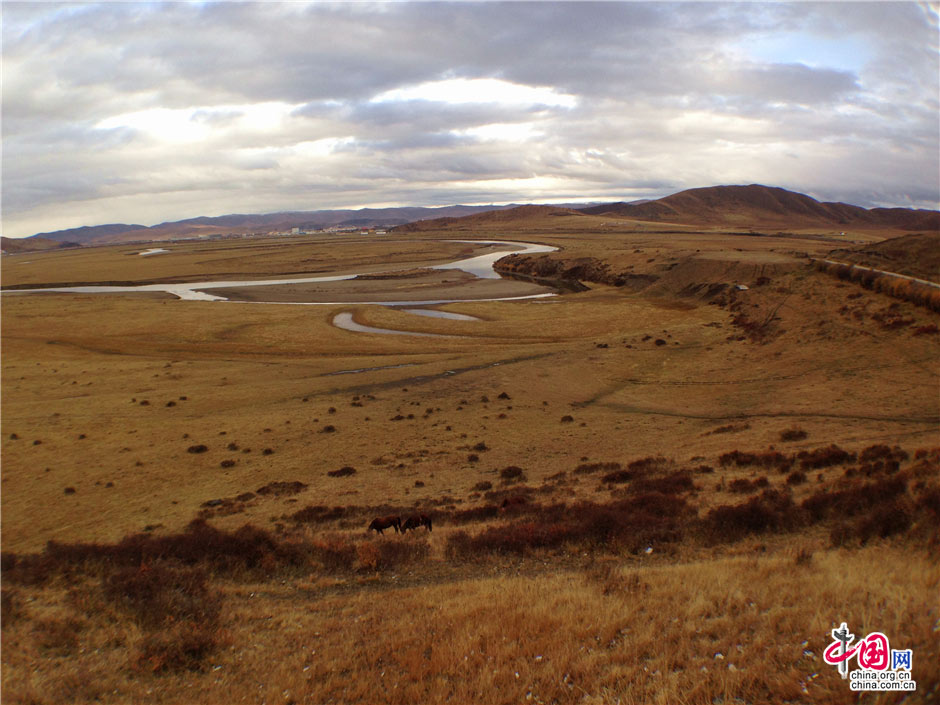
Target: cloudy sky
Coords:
[(150, 112)]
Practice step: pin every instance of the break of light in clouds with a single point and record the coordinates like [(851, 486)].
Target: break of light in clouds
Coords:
[(142, 113)]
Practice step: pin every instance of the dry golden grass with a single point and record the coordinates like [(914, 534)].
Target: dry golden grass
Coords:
[(801, 351), (617, 630)]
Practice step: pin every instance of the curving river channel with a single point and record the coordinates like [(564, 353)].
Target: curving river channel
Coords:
[(480, 266)]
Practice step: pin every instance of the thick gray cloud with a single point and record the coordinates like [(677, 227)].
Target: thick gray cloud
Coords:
[(143, 112)]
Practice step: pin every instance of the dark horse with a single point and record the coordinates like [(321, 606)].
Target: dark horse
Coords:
[(416, 520), (380, 524)]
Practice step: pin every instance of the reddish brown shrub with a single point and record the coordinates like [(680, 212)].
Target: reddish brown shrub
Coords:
[(742, 485), (318, 514), (391, 554), (825, 457), (586, 468), (342, 472), (648, 464), (797, 477), (674, 483), (181, 646), (766, 459), (883, 452), (58, 636), (617, 477), (854, 500), (158, 594), (487, 511), (793, 434), (772, 510), (884, 520), (334, 554), (512, 473), (282, 488)]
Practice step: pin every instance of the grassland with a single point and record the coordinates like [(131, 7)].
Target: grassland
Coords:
[(621, 412)]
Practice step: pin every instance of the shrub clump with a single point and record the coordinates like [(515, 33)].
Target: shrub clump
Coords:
[(825, 457), (772, 510), (282, 488), (391, 554), (175, 607), (586, 468), (512, 473), (793, 434), (634, 523), (342, 472), (766, 459)]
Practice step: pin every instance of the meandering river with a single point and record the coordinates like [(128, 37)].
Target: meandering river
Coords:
[(480, 266)]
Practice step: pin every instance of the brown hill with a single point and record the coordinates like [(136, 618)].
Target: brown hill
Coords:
[(32, 244), (916, 255), (520, 215), (757, 206)]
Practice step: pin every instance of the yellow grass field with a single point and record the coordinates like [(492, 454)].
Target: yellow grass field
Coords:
[(639, 559)]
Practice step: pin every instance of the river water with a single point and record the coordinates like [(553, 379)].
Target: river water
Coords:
[(480, 266)]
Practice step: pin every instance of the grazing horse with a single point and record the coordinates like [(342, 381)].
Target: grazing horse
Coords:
[(382, 523), (416, 520)]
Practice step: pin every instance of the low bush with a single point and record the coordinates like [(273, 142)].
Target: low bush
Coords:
[(317, 514), (586, 468), (57, 636), (853, 500), (825, 457), (248, 549), (512, 473), (742, 485), (674, 483), (342, 472), (649, 464), (391, 554), (766, 459), (793, 434), (617, 477), (158, 594), (282, 488), (797, 477), (882, 452), (772, 510), (334, 553), (180, 646), (482, 513), (633, 523)]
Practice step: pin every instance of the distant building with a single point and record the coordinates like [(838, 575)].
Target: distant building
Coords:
[(295, 231)]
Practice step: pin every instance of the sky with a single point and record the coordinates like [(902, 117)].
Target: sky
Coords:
[(152, 112)]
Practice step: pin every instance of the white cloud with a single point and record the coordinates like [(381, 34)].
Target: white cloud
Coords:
[(478, 90), (142, 112)]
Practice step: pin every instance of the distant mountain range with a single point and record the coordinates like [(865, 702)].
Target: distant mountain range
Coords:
[(752, 206), (238, 224), (743, 207)]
